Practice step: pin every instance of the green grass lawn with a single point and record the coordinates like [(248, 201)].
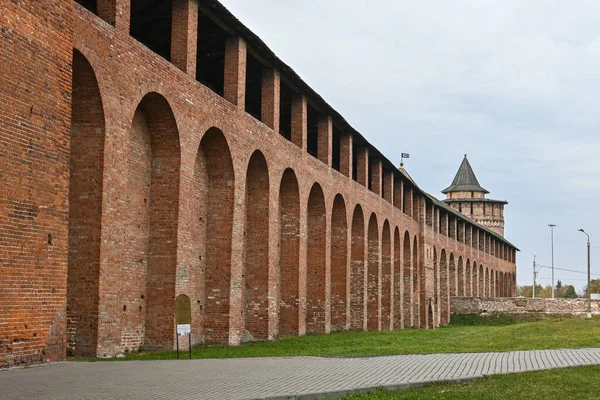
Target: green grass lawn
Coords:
[(569, 383), (465, 335)]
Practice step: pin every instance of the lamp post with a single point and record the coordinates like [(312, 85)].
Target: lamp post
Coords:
[(589, 295), (552, 226)]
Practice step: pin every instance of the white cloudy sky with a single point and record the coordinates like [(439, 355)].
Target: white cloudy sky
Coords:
[(515, 83)]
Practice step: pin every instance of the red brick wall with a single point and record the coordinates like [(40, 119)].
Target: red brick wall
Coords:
[(197, 198), (35, 109)]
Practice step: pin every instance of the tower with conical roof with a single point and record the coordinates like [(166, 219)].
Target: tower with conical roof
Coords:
[(466, 195)]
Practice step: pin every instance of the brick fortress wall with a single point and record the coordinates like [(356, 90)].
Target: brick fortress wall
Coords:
[(272, 216)]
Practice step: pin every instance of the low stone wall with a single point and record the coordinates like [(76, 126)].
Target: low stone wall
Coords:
[(511, 305)]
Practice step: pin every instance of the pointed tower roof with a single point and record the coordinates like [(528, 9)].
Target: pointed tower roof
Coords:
[(465, 180)]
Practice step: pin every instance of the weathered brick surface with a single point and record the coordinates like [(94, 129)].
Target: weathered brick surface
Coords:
[(485, 305), (176, 190), (35, 112)]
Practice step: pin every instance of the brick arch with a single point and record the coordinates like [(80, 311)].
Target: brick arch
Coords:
[(153, 195), (386, 277), (316, 243), (461, 277), (339, 263), (407, 268), (289, 253), (214, 185), (86, 164), (444, 290), (373, 295), (397, 287), (452, 276), (256, 254), (357, 270)]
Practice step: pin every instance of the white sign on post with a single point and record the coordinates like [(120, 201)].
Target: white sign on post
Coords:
[(184, 329)]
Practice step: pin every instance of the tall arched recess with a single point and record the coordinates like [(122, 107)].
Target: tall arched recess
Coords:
[(386, 277), (339, 263), (215, 164), (256, 273), (373, 275), (151, 254), (357, 271), (407, 268), (289, 257), (397, 280), (315, 269), (85, 209)]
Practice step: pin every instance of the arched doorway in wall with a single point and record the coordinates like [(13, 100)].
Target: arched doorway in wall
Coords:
[(86, 165), (386, 277), (357, 272), (315, 261), (214, 179), (486, 283), (289, 257), (461, 277), (407, 282), (397, 287), (373, 275), (339, 264), (151, 251), (444, 289), (256, 254)]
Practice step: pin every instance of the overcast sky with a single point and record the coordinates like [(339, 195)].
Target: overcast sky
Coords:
[(516, 84)]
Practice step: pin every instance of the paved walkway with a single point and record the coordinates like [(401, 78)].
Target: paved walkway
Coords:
[(286, 378)]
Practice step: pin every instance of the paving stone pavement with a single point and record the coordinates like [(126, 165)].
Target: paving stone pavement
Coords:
[(272, 378)]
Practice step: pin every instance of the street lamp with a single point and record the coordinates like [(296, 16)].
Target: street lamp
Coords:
[(589, 295), (552, 226)]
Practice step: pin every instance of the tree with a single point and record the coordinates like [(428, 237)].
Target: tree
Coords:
[(594, 286), (570, 292), (559, 284), (526, 290)]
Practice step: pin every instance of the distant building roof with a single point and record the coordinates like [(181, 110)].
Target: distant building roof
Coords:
[(465, 180)]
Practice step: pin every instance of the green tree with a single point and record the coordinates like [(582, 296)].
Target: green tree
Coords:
[(570, 292), (526, 290), (594, 286)]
